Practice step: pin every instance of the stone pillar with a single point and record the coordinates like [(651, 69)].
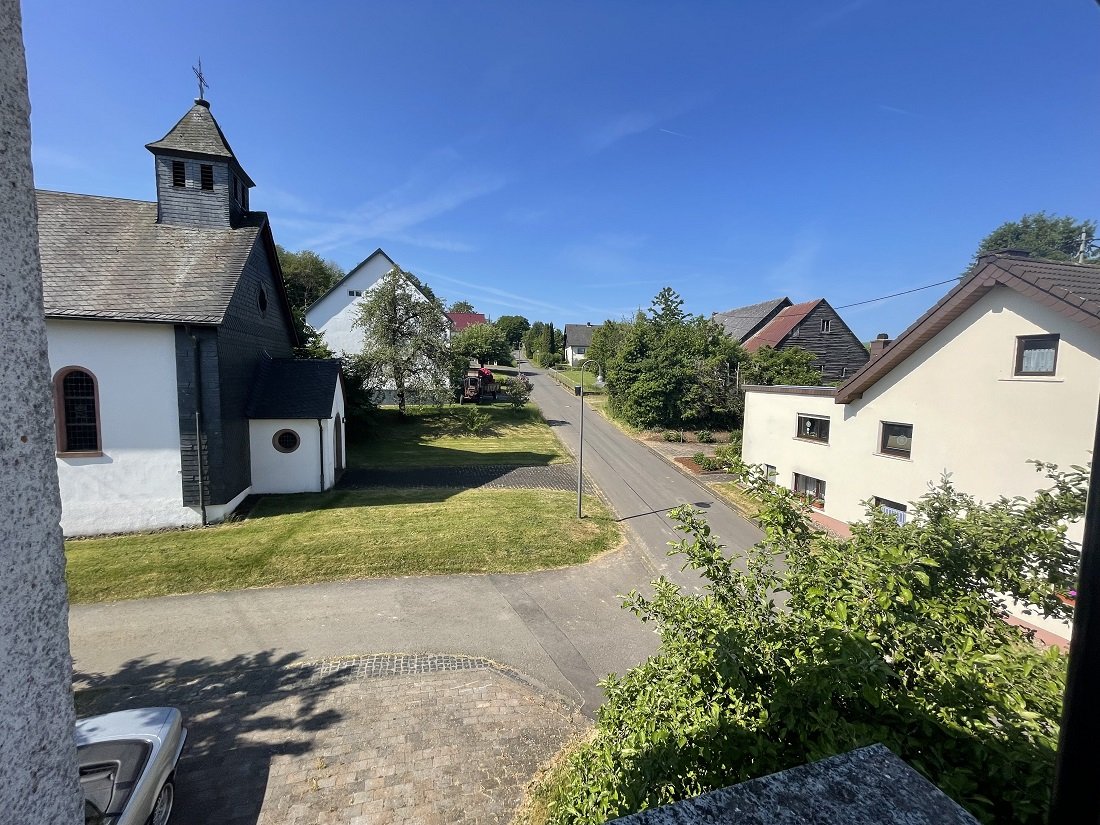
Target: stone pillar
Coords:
[(38, 782)]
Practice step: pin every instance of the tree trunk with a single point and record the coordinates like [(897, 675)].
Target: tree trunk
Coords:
[(399, 382)]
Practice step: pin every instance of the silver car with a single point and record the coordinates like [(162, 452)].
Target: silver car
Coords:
[(127, 765)]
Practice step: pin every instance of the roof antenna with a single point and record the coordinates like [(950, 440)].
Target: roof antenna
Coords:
[(202, 82)]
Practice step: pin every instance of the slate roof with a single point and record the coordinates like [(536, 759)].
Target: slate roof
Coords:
[(740, 322), (294, 388), (779, 327), (461, 320), (109, 258), (579, 335), (1070, 289), (198, 133)]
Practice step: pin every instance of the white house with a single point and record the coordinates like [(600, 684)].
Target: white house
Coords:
[(1005, 368), (167, 326), (335, 312), (578, 338)]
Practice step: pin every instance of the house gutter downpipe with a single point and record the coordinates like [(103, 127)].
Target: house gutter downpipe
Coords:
[(1076, 776)]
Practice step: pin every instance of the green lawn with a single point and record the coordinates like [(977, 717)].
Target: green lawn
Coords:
[(346, 535), (441, 437), (574, 377)]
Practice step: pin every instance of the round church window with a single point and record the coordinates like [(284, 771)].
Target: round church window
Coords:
[(286, 441)]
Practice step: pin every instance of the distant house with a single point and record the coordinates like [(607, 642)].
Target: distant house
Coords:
[(167, 326), (813, 326), (462, 320), (1004, 369), (336, 312), (578, 338)]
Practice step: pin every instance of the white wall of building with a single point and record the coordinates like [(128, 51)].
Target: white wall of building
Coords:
[(970, 415), (574, 355), (136, 483), (335, 314), (300, 471)]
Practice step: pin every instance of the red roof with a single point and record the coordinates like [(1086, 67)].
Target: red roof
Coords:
[(461, 320), (773, 333)]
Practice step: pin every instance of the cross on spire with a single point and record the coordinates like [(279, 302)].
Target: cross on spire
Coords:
[(201, 79)]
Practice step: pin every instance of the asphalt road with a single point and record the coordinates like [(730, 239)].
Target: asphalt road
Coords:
[(563, 628)]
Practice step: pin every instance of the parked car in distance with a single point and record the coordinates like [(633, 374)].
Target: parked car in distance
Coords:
[(127, 761)]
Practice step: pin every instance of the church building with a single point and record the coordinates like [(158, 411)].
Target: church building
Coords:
[(171, 344)]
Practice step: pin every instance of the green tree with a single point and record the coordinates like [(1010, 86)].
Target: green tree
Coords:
[(405, 341), (607, 340), (483, 343), (307, 276), (1043, 235), (461, 306), (518, 389), (790, 366), (667, 307), (514, 328), (893, 636)]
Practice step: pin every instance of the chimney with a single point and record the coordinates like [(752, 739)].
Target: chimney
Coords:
[(879, 345)]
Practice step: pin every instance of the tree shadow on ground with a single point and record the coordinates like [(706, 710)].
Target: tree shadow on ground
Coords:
[(240, 712)]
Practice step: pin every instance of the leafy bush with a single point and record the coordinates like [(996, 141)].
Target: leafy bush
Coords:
[(704, 437), (708, 462), (477, 422), (518, 389), (893, 636), (671, 435)]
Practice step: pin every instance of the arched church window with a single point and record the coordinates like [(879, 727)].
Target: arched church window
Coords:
[(76, 398)]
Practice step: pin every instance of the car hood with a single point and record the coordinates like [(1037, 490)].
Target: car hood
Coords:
[(127, 724)]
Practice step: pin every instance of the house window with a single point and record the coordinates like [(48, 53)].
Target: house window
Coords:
[(770, 472), (285, 441), (261, 299), (355, 293), (76, 398), (813, 428), (826, 325), (1036, 354), (897, 439), (812, 488), (179, 173), (891, 508), (206, 176)]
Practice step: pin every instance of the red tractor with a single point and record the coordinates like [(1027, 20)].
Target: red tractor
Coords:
[(478, 384)]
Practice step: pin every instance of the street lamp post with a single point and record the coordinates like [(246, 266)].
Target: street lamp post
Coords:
[(580, 443)]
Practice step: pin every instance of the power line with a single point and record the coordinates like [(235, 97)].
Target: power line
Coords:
[(896, 294)]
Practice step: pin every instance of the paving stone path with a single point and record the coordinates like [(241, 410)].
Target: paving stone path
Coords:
[(396, 738), (550, 477)]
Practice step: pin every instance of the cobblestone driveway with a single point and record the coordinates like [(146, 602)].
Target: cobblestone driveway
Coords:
[(378, 739)]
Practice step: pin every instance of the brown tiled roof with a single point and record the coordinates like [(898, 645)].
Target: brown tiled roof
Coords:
[(1069, 288), (109, 258), (579, 335), (740, 322), (779, 327), (461, 320), (294, 388)]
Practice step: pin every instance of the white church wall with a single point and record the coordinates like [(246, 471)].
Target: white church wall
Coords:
[(330, 439), (136, 484), (294, 472), (336, 312)]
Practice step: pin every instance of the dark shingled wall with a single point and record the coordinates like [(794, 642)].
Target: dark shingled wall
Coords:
[(230, 358), (839, 352), (191, 205)]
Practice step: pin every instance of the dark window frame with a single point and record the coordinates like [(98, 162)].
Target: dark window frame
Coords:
[(826, 325), (1021, 344), (261, 301), (62, 430), (819, 487), (179, 174), (802, 435), (887, 504), (276, 441), (206, 177), (884, 437)]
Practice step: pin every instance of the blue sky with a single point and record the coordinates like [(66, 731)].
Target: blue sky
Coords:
[(565, 160)]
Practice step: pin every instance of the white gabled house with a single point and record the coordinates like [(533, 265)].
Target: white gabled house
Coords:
[(335, 312), (578, 338), (1004, 369)]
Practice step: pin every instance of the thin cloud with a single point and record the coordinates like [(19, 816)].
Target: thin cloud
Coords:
[(621, 126), (896, 110), (670, 132), (793, 275)]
